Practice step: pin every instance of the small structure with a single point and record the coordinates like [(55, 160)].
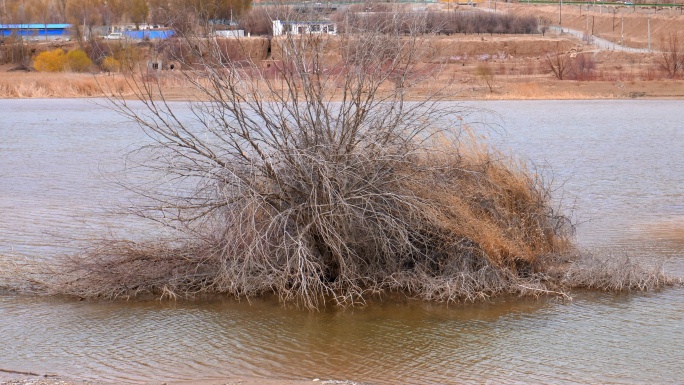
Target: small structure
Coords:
[(39, 31), (158, 64), (155, 65), (229, 33), (281, 27)]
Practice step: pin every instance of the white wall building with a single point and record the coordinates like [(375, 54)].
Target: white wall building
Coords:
[(281, 27)]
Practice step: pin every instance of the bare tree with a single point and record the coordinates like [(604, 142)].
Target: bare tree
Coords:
[(671, 58), (85, 15), (544, 24), (61, 8), (559, 63), (42, 10)]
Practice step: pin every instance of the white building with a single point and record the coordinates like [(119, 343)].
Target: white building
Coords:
[(281, 27)]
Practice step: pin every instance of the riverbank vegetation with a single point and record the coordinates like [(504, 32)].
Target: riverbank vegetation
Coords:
[(59, 85), (523, 59), (313, 178)]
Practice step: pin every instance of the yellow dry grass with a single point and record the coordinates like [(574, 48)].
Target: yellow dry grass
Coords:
[(60, 85), (73, 85), (497, 204)]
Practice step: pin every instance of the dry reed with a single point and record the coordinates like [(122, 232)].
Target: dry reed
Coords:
[(59, 85), (22, 274)]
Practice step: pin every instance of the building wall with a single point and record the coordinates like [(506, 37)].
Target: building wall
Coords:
[(38, 30)]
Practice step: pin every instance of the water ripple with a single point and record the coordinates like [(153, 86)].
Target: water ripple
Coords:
[(627, 182)]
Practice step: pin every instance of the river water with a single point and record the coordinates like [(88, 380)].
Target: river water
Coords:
[(618, 164)]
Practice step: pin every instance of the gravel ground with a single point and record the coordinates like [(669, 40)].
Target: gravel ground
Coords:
[(44, 381)]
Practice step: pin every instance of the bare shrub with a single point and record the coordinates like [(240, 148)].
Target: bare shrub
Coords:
[(403, 229), (582, 67), (485, 72), (651, 73), (671, 58)]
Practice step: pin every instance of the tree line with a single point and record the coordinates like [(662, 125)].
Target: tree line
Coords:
[(107, 12), (257, 21)]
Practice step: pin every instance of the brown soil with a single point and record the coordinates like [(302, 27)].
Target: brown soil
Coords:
[(605, 21)]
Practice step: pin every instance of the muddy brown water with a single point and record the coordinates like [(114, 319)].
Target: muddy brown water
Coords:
[(619, 164)]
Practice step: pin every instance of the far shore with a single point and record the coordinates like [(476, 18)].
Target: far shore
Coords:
[(35, 85), (473, 67)]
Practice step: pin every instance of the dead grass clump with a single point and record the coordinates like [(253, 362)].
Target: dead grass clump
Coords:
[(22, 274), (121, 269), (615, 273)]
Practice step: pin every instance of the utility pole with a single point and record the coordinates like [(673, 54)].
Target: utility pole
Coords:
[(622, 32), (649, 32), (560, 13)]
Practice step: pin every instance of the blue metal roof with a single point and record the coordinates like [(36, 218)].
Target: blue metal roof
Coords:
[(154, 34), (34, 26)]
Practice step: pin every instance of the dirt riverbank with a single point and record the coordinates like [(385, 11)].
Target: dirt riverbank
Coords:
[(475, 67), (39, 380)]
